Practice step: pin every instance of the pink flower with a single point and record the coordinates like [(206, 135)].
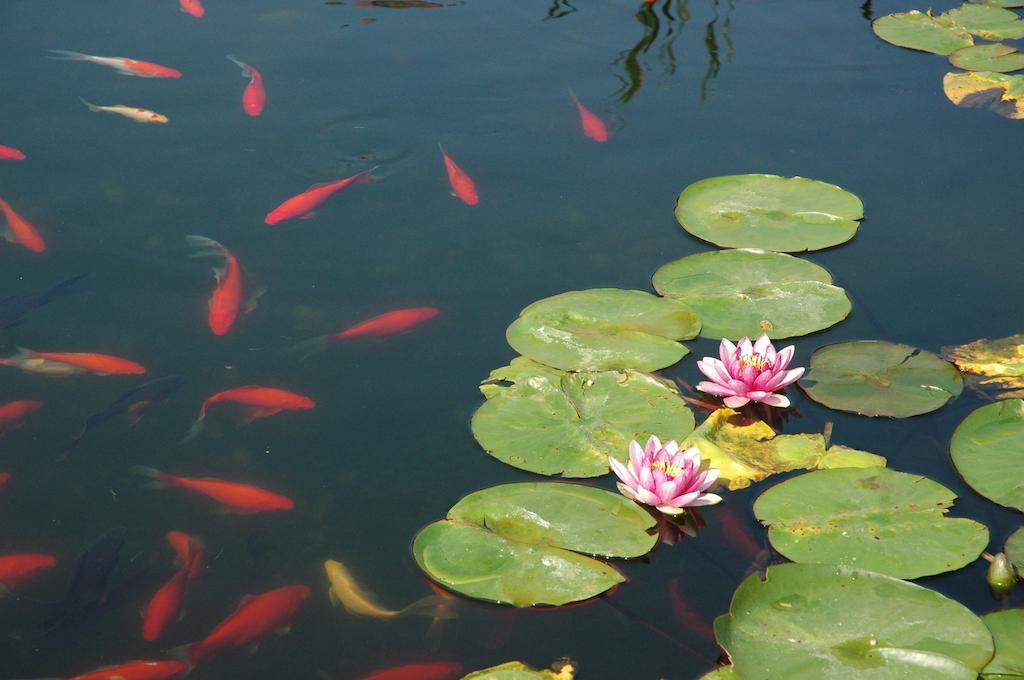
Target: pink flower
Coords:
[(665, 477), (749, 373)]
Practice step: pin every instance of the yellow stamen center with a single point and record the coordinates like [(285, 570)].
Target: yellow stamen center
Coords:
[(756, 360), (667, 467)]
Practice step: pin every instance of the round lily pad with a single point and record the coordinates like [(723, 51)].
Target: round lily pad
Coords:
[(746, 292), (1002, 94), (998, 58), (520, 544), (834, 622), (513, 670), (922, 31), (986, 21), (604, 329), (1014, 550), (991, 365), (988, 452), (786, 214), (721, 673), (875, 378), (1007, 629), (552, 422), (874, 518)]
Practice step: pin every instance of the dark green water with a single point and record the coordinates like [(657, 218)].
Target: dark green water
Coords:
[(693, 89)]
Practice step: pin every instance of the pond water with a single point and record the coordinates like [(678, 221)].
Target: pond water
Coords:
[(690, 90)]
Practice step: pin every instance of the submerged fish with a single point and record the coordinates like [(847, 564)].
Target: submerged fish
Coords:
[(14, 308), (123, 65), (244, 499), (435, 670), (303, 205), (19, 230), (193, 7), (137, 670), (257, 401), (593, 126), (462, 185), (389, 323), (9, 153), (344, 591), (134, 402), (134, 113), (255, 96), (16, 568), (227, 297), (4, 478), (166, 603), (13, 414), (60, 364), (90, 585)]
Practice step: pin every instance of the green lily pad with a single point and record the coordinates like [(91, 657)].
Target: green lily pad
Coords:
[(988, 452), (889, 522), (834, 622), (991, 365), (1001, 93), (987, 21), (746, 451), (746, 292), (552, 422), (999, 58), (786, 214), (1007, 629), (1014, 550), (513, 670), (515, 543), (875, 378), (999, 3), (922, 31), (721, 673), (604, 329)]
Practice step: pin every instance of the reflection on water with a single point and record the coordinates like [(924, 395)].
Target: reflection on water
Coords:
[(866, 11), (559, 9)]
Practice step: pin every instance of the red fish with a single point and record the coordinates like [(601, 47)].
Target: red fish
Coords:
[(303, 205), (690, 620), (243, 499), (13, 414), (738, 533), (123, 65), (255, 96), (16, 568), (60, 364), (388, 323), (462, 185), (259, 402), (593, 126), (138, 670), (227, 298), (4, 478), (438, 670), (166, 604), (19, 230), (193, 7), (9, 153), (255, 617)]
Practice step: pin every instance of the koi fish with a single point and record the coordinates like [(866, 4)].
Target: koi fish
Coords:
[(255, 617), (14, 414), (123, 65), (90, 585), (303, 205), (255, 96), (438, 670), (19, 230), (9, 153), (4, 478), (738, 533), (385, 324), (166, 603), (258, 401), (60, 364), (16, 568), (137, 670), (345, 592), (14, 308), (227, 298), (397, 4), (690, 620), (593, 126), (193, 7), (243, 499), (136, 114), (462, 185), (135, 402)]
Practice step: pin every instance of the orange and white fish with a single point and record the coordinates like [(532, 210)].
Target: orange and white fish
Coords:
[(193, 7), (123, 65), (255, 96), (132, 112), (9, 153), (244, 499), (303, 205), (227, 298), (19, 230), (593, 126), (462, 185), (60, 364)]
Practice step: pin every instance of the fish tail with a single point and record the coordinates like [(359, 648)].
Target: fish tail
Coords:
[(160, 480), (205, 247), (572, 93), (308, 348), (68, 55), (92, 107), (241, 64), (182, 653), (196, 428), (431, 606), (366, 176)]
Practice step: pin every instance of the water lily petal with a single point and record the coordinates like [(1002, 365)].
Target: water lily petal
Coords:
[(626, 491), (669, 510), (622, 472), (653, 445), (785, 355), (745, 348), (779, 400), (735, 402), (646, 497), (715, 389), (707, 499), (762, 344)]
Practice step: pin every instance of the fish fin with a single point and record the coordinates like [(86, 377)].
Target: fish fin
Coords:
[(283, 630), (308, 348), (331, 596), (242, 65), (312, 213), (443, 152), (194, 431), (427, 606), (254, 299), (252, 413), (181, 653), (159, 479), (92, 107), (366, 176), (68, 55), (251, 648), (137, 410), (245, 600), (572, 93), (9, 234)]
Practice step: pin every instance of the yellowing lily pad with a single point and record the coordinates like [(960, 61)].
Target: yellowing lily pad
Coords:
[(986, 21), (747, 451), (1007, 629), (746, 292), (875, 378), (604, 329), (922, 31), (1014, 550), (889, 522), (988, 452), (829, 622), (721, 673), (786, 214), (552, 422), (992, 365), (999, 58), (517, 670), (1003, 94)]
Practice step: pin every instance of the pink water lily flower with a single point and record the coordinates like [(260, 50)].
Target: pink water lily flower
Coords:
[(665, 477), (748, 372)]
